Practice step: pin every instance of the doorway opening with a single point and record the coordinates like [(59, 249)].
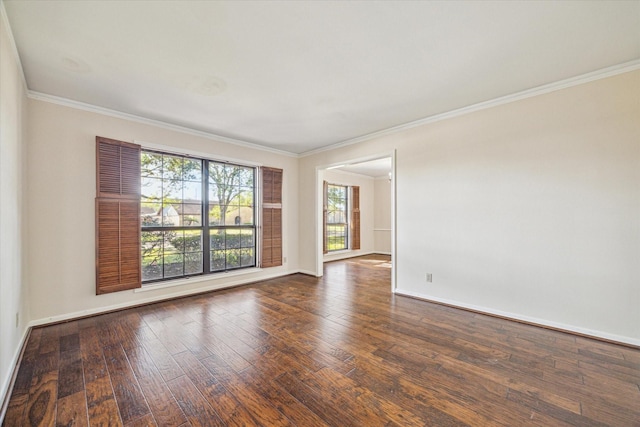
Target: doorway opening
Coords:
[(356, 210)]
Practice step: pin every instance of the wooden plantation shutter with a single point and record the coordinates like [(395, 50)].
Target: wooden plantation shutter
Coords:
[(271, 217), (117, 216), (355, 217), (325, 213)]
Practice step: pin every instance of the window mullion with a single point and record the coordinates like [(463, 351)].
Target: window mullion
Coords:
[(206, 239)]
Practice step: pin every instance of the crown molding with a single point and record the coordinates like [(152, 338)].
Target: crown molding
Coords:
[(153, 122), (529, 93), (14, 46)]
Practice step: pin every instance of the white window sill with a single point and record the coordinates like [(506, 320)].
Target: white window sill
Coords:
[(340, 252), (196, 279)]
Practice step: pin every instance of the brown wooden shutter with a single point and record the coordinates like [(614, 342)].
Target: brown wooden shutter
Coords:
[(355, 217), (325, 213), (117, 216), (271, 217)]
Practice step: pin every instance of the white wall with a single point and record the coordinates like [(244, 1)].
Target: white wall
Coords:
[(529, 209), (13, 288), (366, 210), (382, 216), (61, 195)]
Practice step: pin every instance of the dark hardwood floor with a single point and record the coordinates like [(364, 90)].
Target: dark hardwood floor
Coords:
[(340, 351)]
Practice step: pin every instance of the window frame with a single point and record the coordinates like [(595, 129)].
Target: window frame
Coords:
[(205, 226)]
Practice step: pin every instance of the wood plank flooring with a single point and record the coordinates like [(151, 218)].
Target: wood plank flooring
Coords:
[(336, 351)]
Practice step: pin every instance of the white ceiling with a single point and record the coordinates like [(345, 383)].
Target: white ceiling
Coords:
[(297, 76)]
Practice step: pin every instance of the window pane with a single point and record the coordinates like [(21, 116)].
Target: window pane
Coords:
[(152, 243), (151, 164), (246, 215), (151, 189), (214, 194), (225, 181), (233, 215), (214, 214), (233, 174), (149, 214), (170, 216), (246, 258), (152, 251), (245, 176), (233, 238), (217, 260), (172, 192), (173, 242), (192, 192), (193, 262), (151, 268), (246, 195), (172, 168), (192, 170), (183, 241), (190, 214), (216, 239), (173, 265), (233, 258), (247, 239), (192, 241)]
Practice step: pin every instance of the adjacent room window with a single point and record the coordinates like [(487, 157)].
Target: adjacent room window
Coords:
[(337, 228), (197, 215)]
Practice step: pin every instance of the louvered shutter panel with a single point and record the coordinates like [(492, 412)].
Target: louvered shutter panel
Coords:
[(355, 217), (117, 216), (271, 217)]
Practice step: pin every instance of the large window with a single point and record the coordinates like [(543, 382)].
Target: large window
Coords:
[(197, 216), (337, 226)]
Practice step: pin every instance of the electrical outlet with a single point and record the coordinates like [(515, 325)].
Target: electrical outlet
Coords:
[(429, 277), (284, 260), (17, 319)]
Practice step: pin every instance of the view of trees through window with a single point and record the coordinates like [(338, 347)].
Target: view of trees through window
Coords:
[(182, 238), (337, 226)]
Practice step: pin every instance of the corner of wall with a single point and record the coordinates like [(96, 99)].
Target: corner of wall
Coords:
[(14, 309)]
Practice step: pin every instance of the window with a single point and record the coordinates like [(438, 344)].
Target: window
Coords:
[(341, 217), (197, 215), (162, 216), (337, 224)]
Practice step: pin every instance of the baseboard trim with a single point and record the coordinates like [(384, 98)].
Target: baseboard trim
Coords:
[(346, 255), (308, 273), (182, 294), (574, 330), (9, 382)]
